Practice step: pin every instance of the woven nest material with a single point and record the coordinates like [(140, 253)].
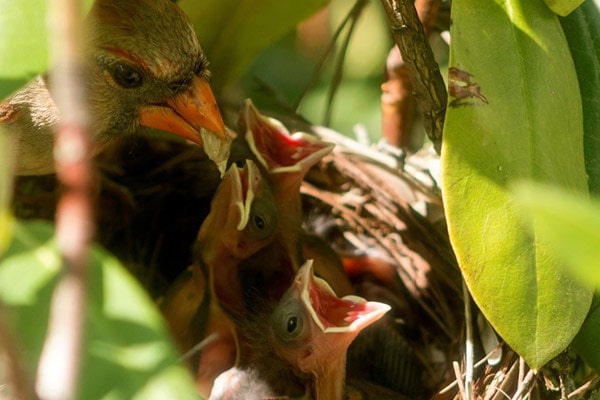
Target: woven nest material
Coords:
[(381, 213)]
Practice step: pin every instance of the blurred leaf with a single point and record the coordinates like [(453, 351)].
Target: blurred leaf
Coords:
[(23, 42), (234, 32), (127, 353), (569, 224), (582, 30), (515, 113), (563, 7)]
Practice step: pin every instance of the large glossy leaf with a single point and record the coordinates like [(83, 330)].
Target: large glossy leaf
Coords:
[(514, 113), (582, 30), (233, 32), (127, 353)]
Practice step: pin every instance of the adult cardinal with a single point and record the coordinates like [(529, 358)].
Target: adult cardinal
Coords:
[(300, 348), (144, 67)]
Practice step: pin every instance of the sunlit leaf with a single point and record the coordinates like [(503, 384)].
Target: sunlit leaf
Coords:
[(514, 114), (563, 7), (233, 32), (127, 353)]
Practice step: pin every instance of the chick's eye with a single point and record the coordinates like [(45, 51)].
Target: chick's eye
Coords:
[(259, 222), (288, 322), (126, 76), (292, 324), (263, 219)]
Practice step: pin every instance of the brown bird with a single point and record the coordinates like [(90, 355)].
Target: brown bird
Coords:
[(300, 348), (143, 67), (242, 220), (285, 159)]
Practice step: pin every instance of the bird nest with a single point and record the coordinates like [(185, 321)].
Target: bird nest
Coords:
[(381, 211)]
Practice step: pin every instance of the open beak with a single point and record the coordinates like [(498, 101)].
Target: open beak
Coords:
[(187, 113), (276, 149), (331, 313)]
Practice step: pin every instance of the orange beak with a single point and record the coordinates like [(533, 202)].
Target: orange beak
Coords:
[(186, 113)]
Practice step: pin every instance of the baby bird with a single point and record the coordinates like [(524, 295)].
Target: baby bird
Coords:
[(299, 349)]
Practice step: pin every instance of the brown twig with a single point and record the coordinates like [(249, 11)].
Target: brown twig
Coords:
[(424, 73), (590, 384), (58, 368), (397, 100)]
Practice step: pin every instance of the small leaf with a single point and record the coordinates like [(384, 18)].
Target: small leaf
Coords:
[(515, 113), (563, 7), (127, 353), (234, 32)]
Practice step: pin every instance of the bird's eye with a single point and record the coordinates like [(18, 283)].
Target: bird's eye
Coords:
[(263, 218), (126, 76), (288, 321), (292, 324), (259, 223)]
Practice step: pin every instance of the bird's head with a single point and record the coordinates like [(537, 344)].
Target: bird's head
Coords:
[(312, 328), (146, 67), (243, 216)]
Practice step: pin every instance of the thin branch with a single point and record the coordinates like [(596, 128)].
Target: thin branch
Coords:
[(58, 369), (339, 65), (424, 72), (457, 373), (524, 385), (591, 383), (356, 9)]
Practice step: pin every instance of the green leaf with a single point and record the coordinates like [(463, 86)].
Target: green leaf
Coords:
[(587, 341), (23, 39), (582, 30), (515, 113), (234, 32), (128, 354), (570, 225), (563, 7), (23, 42)]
